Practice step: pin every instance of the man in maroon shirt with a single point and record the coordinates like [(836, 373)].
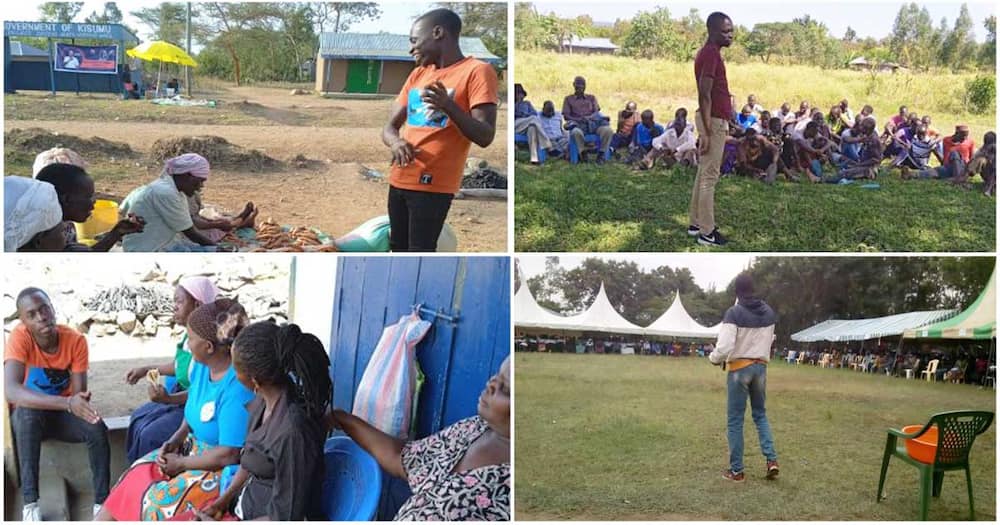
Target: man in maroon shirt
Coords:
[(715, 110), (580, 108)]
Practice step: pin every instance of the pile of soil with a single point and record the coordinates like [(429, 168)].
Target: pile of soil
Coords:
[(219, 152), (33, 141)]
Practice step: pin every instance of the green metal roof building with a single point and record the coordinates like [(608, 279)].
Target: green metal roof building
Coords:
[(374, 63)]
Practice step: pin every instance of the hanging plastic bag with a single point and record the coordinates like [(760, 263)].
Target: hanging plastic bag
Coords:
[(386, 395)]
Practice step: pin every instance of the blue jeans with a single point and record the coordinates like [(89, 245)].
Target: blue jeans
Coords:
[(748, 382)]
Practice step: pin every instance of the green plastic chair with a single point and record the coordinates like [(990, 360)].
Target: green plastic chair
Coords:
[(957, 432)]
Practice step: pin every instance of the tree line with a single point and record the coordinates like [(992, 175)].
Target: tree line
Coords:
[(803, 290), (914, 42), (268, 41)]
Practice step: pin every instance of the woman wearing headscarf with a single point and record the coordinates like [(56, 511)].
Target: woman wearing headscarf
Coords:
[(153, 423), (163, 203), (460, 473), (199, 460), (281, 466), (32, 216)]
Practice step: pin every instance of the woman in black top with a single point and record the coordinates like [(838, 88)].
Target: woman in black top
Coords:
[(281, 465)]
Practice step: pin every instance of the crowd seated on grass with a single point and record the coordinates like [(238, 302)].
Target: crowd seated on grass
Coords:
[(964, 365), (811, 144)]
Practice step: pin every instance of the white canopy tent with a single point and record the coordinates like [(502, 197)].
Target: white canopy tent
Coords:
[(602, 317), (838, 330), (528, 314), (676, 322)]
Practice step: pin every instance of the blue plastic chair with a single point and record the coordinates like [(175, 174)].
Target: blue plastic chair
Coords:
[(353, 482), (574, 153), (521, 138)]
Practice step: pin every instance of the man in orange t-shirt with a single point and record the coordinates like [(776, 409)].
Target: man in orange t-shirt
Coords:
[(45, 377), (958, 150), (447, 102)]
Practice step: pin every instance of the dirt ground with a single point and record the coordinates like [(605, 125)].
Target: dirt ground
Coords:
[(112, 396), (337, 136)]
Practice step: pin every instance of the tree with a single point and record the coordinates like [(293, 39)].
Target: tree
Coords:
[(110, 15), (767, 39), (342, 14), (959, 46), (62, 12), (486, 20), (850, 35), (652, 35), (910, 39), (165, 22), (988, 53), (234, 23)]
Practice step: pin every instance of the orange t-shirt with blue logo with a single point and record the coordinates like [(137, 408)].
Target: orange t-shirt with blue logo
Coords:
[(48, 373), (440, 163)]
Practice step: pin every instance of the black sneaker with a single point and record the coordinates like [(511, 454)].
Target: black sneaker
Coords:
[(713, 239), (600, 158), (693, 230)]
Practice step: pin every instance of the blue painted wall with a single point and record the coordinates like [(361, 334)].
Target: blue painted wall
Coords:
[(35, 76), (373, 292)]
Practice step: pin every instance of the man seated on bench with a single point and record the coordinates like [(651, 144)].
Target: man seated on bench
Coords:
[(45, 377)]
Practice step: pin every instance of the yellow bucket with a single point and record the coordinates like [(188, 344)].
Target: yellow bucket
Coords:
[(104, 217)]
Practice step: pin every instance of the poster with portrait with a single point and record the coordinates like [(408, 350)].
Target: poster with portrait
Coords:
[(72, 58)]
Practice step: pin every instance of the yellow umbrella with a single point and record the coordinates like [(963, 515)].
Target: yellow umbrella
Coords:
[(164, 52)]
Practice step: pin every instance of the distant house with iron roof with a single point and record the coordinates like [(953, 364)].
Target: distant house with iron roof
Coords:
[(588, 46), (374, 63)]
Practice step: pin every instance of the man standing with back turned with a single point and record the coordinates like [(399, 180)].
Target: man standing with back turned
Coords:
[(715, 110), (744, 346), (448, 101)]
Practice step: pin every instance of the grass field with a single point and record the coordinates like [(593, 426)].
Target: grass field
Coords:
[(610, 437), (665, 86), (561, 207)]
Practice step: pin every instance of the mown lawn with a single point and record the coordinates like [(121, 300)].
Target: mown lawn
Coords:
[(585, 207), (610, 437)]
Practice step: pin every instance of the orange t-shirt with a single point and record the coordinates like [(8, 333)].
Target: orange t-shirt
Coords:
[(439, 166), (48, 373), (965, 148)]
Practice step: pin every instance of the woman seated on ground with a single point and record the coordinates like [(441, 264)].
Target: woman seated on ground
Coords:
[(76, 197), (281, 466), (199, 460), (155, 422), (32, 216), (460, 473)]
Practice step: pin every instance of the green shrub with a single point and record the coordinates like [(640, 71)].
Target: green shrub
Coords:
[(981, 94)]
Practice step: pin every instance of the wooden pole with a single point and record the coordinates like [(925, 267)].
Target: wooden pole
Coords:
[(187, 69)]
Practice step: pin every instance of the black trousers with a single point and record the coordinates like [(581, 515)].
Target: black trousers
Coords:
[(416, 219), (32, 426)]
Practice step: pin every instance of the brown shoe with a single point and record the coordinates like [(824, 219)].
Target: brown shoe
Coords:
[(738, 477), (772, 470), (905, 173)]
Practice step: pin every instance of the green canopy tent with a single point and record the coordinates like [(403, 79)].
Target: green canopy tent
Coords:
[(978, 321)]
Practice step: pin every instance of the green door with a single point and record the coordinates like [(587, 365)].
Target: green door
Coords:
[(363, 76)]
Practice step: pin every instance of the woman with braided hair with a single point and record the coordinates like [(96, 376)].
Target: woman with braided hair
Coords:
[(281, 466), (198, 462)]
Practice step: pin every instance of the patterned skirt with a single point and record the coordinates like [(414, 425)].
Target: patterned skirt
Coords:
[(144, 493)]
